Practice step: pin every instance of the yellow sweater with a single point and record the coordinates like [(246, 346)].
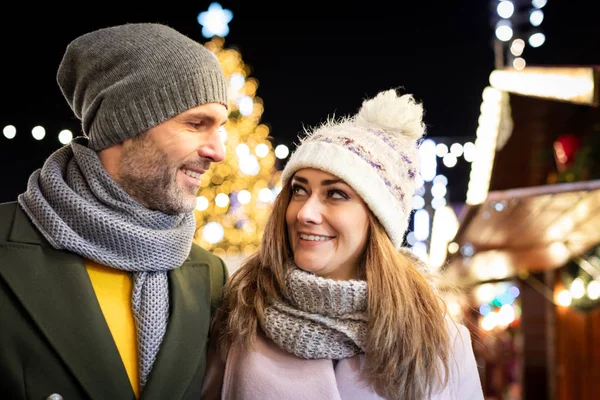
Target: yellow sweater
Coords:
[(113, 289)]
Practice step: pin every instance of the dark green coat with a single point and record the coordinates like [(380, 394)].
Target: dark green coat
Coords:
[(53, 335)]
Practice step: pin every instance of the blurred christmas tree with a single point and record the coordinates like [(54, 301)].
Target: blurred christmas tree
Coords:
[(237, 193)]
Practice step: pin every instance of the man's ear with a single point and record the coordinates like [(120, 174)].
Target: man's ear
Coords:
[(110, 158)]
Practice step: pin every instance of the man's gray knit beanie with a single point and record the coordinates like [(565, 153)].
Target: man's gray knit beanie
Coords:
[(123, 80)]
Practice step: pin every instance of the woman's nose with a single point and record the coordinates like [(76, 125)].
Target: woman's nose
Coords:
[(311, 212)]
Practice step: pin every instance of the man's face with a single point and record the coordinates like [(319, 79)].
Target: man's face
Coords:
[(161, 168)]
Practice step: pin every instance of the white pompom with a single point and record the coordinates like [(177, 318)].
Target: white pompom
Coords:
[(398, 115)]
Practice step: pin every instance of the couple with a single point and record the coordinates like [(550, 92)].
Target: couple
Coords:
[(103, 295)]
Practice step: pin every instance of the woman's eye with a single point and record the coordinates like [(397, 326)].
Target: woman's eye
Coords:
[(298, 190), (337, 194)]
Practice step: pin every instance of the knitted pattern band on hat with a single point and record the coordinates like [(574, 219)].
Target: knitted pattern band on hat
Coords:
[(123, 80), (375, 152)]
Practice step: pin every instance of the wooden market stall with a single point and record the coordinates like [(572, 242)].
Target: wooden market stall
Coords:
[(532, 218)]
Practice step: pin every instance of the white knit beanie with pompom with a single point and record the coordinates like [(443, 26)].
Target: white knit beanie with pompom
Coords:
[(375, 152)]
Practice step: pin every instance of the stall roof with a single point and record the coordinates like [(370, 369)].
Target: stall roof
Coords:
[(533, 229)]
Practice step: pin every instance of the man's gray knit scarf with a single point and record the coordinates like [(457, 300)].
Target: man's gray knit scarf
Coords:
[(321, 318), (79, 208)]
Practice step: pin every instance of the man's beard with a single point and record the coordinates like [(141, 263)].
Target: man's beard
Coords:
[(150, 178)]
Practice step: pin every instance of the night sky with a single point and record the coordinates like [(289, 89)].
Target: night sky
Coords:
[(311, 60)]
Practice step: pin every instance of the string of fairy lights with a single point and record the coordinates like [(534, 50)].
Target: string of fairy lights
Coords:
[(517, 23)]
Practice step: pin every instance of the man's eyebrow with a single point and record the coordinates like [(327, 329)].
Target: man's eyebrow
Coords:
[(198, 114), (203, 115)]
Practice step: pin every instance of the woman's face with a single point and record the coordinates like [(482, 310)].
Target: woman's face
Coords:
[(327, 225)]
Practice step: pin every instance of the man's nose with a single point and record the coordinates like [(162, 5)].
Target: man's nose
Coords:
[(213, 149)]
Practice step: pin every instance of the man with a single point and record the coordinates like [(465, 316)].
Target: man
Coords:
[(102, 293)]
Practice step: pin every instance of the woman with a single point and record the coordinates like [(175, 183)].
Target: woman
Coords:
[(332, 306)]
